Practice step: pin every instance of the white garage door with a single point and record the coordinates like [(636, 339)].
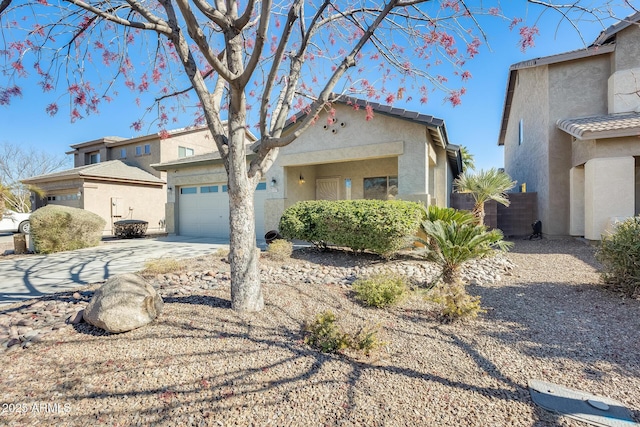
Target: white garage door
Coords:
[(203, 210)]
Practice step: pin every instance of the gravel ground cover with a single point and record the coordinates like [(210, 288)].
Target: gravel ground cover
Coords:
[(200, 363)]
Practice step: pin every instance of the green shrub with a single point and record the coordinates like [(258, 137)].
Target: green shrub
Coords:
[(434, 213), (456, 303), (380, 290), (62, 228), (619, 254), (380, 226), (325, 335), (280, 250)]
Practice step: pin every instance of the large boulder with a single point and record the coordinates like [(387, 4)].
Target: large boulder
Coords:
[(123, 303)]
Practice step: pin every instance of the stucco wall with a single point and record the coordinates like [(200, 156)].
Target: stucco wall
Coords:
[(527, 162), (542, 96), (142, 202), (609, 184), (627, 53), (576, 89)]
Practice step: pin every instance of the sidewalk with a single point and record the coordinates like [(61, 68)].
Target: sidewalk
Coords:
[(37, 275)]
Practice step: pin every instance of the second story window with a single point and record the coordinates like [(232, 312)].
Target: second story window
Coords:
[(147, 148), (185, 152), (123, 153), (94, 158), (139, 150), (520, 132)]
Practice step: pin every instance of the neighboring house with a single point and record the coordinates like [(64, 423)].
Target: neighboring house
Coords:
[(113, 178), (397, 154), (571, 129)]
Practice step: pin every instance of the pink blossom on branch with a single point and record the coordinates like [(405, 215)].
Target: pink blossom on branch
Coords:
[(8, 93), (527, 37), (52, 109)]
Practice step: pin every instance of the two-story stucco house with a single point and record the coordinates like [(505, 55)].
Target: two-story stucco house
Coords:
[(113, 177), (571, 132), (396, 154)]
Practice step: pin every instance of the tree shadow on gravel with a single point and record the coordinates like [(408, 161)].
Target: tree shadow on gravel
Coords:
[(343, 257), (580, 322), (581, 249), (207, 300)]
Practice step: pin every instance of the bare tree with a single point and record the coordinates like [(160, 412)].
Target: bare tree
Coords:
[(18, 163), (267, 58)]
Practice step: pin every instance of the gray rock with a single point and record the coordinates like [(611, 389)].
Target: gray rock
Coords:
[(123, 303), (76, 318)]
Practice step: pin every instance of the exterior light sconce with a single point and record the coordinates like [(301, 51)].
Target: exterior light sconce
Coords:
[(79, 194), (169, 189), (301, 180), (273, 183)]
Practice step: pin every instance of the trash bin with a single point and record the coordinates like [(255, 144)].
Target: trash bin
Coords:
[(19, 243), (271, 236)]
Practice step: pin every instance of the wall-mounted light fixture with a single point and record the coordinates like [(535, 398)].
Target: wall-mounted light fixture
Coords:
[(273, 182), (79, 194), (301, 180), (169, 189)]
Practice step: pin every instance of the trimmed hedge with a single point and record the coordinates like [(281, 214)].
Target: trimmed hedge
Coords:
[(380, 226), (61, 228)]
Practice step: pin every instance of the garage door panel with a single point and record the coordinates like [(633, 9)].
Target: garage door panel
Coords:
[(205, 212)]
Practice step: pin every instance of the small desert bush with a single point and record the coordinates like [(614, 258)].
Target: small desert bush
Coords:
[(280, 250), (619, 254), (325, 335), (162, 266), (380, 290), (456, 304), (61, 228)]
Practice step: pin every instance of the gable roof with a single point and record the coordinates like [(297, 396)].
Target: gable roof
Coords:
[(113, 170), (435, 125), (604, 44), (606, 126)]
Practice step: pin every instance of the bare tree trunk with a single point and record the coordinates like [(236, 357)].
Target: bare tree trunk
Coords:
[(246, 291)]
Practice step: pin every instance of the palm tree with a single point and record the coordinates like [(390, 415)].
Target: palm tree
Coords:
[(450, 245), (467, 159), (484, 186)]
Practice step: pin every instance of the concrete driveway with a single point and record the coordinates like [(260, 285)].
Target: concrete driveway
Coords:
[(36, 275)]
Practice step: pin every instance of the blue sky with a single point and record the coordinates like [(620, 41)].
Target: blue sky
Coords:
[(475, 123)]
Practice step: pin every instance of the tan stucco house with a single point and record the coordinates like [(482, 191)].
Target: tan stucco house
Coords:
[(113, 177), (571, 132), (396, 154)]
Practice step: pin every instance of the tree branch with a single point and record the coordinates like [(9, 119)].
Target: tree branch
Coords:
[(3, 5), (261, 36), (323, 98), (158, 27), (196, 33), (246, 16)]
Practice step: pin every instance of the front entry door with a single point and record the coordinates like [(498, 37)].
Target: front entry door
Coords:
[(328, 189)]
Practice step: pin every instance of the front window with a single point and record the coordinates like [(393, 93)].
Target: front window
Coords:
[(381, 188), (123, 153), (94, 158), (139, 150), (147, 149), (185, 152)]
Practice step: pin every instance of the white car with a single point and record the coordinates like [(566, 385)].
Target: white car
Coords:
[(14, 222)]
